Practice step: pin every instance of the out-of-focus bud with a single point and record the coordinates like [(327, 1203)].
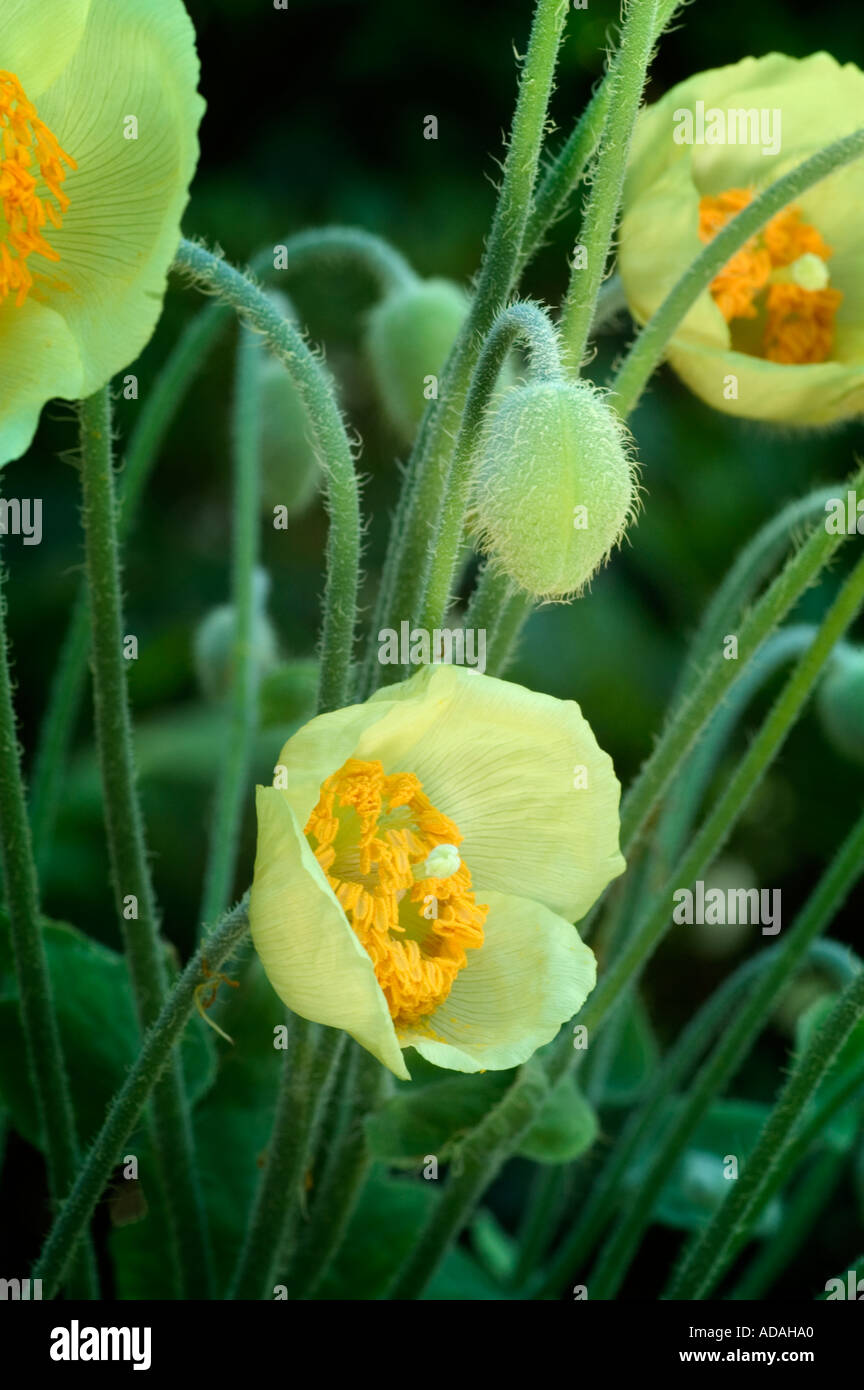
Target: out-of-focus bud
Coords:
[(214, 644), (555, 486), (408, 337), (841, 703)]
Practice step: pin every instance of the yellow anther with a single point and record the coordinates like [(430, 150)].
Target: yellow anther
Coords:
[(392, 860), (31, 175), (778, 276)]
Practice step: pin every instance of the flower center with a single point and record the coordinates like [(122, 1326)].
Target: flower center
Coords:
[(392, 860), (775, 291), (31, 175)]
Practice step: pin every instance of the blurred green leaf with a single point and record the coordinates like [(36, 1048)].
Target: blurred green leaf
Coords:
[(431, 1119), (98, 1029), (564, 1129), (636, 1057)]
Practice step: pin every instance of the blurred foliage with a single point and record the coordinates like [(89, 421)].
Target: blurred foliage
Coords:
[(315, 116)]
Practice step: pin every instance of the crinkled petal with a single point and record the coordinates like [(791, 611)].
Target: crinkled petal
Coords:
[(38, 39), (311, 956), (127, 196), (532, 974), (506, 764), (35, 346), (804, 394)]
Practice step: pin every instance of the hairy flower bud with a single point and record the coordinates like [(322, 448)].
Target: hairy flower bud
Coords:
[(841, 703), (214, 644), (554, 486), (409, 335)]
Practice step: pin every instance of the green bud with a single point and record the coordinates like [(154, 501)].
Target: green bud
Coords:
[(555, 486), (408, 338), (290, 472), (213, 644), (841, 703)]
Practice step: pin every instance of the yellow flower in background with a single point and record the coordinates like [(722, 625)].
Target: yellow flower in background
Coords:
[(780, 334), (99, 116), (421, 858)]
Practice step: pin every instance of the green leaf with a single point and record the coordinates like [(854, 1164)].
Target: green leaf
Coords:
[(564, 1129), (98, 1030), (431, 1117), (698, 1182), (636, 1058), (382, 1232)]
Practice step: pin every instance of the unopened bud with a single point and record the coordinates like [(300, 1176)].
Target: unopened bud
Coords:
[(554, 486)]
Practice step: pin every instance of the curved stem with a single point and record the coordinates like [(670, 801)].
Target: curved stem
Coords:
[(44, 1050), (500, 610), (342, 1179), (721, 1066), (436, 551), (626, 81), (708, 1260), (479, 1158), (304, 1079), (648, 348), (158, 411), (690, 717), (332, 447), (130, 869), (642, 1131), (126, 1107), (237, 753), (715, 829), (337, 248)]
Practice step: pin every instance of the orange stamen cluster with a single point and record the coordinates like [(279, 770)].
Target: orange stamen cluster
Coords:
[(371, 834), (798, 322), (31, 174)]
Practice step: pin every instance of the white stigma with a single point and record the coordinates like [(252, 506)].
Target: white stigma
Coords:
[(810, 272), (442, 862)]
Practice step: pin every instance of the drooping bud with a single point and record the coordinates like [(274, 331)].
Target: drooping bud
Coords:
[(841, 703), (290, 471), (554, 486), (214, 644), (408, 337)]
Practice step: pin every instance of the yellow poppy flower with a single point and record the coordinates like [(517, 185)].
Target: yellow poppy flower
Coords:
[(780, 333), (99, 116), (421, 858)]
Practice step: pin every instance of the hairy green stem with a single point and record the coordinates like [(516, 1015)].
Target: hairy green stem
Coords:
[(721, 1066), (566, 170), (158, 411), (715, 829), (500, 610), (342, 1179), (627, 81), (306, 1070), (649, 346), (643, 1130), (130, 869), (479, 1158), (708, 1260), (697, 708), (332, 448), (429, 470), (125, 1109), (526, 323), (237, 753), (44, 1049)]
